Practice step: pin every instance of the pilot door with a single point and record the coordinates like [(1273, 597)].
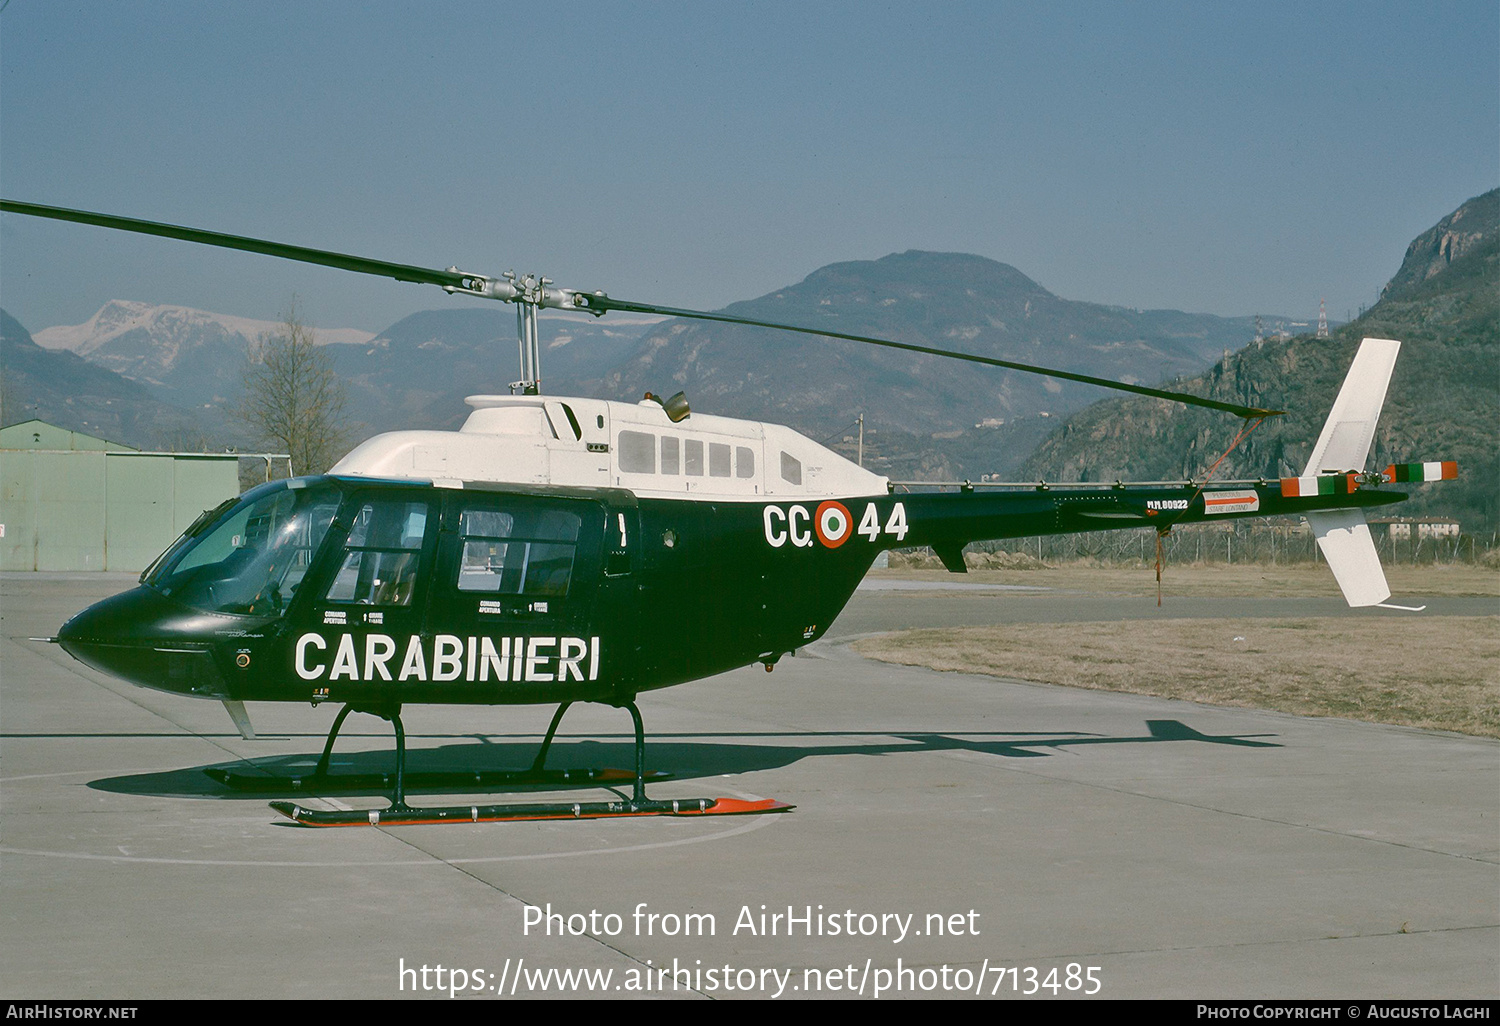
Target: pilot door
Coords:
[(517, 592), (361, 636)]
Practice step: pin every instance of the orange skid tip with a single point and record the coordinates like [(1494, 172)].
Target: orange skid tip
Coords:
[(524, 812)]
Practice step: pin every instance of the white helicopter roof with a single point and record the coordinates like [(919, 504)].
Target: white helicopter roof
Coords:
[(595, 443)]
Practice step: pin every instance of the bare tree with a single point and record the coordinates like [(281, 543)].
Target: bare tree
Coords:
[(12, 402), (294, 400), (186, 436)]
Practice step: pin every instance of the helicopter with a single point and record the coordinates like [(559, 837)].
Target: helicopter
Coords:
[(556, 550)]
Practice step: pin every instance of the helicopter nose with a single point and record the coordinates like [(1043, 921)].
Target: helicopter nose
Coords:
[(142, 637)]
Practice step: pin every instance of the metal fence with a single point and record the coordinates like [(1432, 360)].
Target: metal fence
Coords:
[(1268, 544)]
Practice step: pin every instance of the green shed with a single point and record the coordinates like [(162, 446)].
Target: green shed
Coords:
[(69, 501)]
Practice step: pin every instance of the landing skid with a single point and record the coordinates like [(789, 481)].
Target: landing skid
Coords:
[(401, 814), (424, 781), (527, 811)]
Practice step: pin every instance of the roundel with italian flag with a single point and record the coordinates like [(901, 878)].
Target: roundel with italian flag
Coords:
[(833, 524)]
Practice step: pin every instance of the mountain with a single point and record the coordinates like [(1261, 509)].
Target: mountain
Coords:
[(191, 356), (923, 413), (1443, 402), (64, 389), (416, 373), (1452, 238), (926, 417), (947, 300)]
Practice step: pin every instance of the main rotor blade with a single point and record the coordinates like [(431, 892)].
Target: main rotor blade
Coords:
[(606, 303), (343, 261), (594, 302)]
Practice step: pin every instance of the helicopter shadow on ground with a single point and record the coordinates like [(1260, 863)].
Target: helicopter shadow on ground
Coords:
[(474, 762)]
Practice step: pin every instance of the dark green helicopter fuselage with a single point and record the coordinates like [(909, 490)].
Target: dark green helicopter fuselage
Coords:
[(386, 592)]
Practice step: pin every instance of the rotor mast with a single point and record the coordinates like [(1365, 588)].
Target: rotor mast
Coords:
[(530, 293), (526, 335)]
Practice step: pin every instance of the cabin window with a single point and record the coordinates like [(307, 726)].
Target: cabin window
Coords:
[(718, 459), (744, 462), (517, 552), (381, 554), (791, 469), (671, 456), (637, 452), (692, 451)]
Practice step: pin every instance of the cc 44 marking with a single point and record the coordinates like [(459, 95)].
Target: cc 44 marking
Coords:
[(831, 523)]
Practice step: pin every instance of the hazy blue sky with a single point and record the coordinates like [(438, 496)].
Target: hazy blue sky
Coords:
[(1219, 157)]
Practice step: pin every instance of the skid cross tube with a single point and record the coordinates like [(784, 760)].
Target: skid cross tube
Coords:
[(338, 722), (540, 761), (401, 814)]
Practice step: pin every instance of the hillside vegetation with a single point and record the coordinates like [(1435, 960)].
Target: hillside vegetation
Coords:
[(1443, 403)]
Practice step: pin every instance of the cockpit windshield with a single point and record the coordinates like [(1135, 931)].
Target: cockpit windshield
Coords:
[(251, 559)]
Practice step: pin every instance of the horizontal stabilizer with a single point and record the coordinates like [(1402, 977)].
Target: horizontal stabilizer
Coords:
[(1345, 540), (1346, 437), (1445, 470)]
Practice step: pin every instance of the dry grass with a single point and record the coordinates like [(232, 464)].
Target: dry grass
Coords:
[(1189, 580), (1438, 672)]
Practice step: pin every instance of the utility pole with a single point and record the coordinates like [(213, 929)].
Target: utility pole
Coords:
[(861, 439)]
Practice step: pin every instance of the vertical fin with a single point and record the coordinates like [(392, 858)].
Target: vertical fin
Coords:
[(1343, 535), (1345, 540), (1346, 437)]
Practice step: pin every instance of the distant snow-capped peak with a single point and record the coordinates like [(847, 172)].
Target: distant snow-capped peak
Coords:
[(174, 324)]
